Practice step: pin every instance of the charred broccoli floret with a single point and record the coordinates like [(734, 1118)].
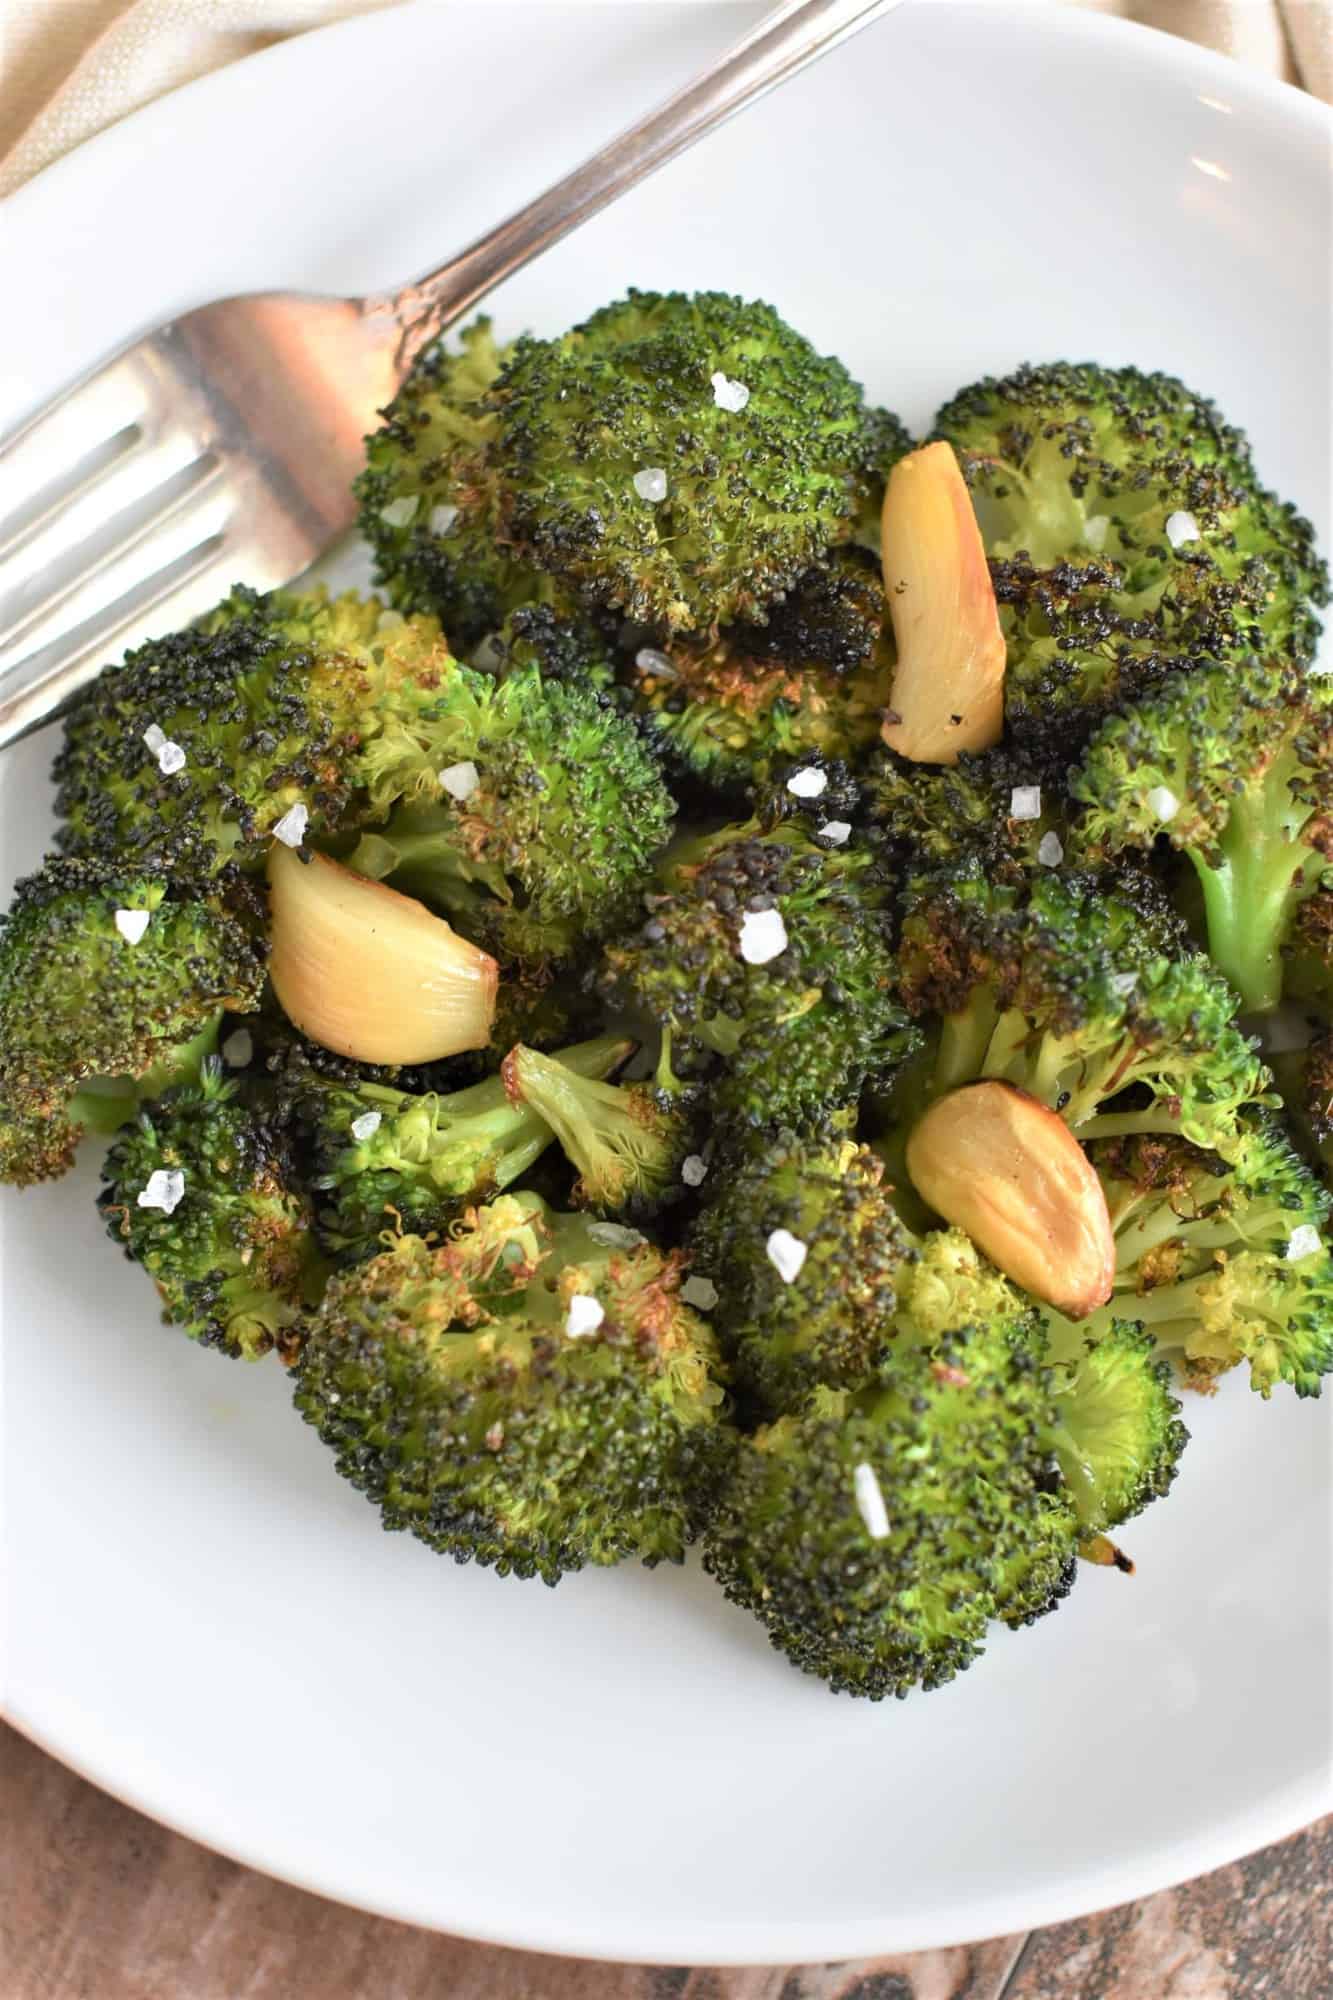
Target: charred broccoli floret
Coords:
[(628, 1141), (113, 979), (533, 822), (773, 953), (394, 1159), (202, 1190), (998, 806), (877, 1533), (682, 458), (1118, 1435), (522, 1395), (1234, 767)]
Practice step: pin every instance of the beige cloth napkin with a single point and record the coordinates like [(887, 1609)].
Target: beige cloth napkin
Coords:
[(70, 67)]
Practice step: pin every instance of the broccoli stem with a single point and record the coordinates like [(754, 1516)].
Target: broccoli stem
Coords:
[(1249, 894)]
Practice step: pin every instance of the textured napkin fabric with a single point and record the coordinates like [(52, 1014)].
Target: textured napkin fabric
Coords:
[(70, 67)]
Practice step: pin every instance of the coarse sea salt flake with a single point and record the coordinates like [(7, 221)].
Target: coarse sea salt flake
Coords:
[(870, 1502), (1050, 850), (807, 784), (132, 924), (763, 936), (585, 1315), (442, 519), (649, 661), (367, 1125), (1303, 1242), (1181, 527), (1025, 802), (650, 483), (1094, 530), (786, 1253), (727, 394), (836, 831), (1163, 802), (460, 780), (164, 1189), (615, 1236), (154, 737), (170, 758), (1124, 983), (238, 1049), (699, 1292), (290, 829), (694, 1170), (399, 512)]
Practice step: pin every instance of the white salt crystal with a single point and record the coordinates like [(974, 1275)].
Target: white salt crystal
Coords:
[(366, 1125), (615, 1235), (694, 1170), (807, 784), (399, 512), (728, 395), (649, 661), (786, 1253), (442, 519), (1124, 983), (154, 737), (651, 483), (585, 1315), (238, 1049), (699, 1292), (1050, 850), (170, 758), (763, 936), (1181, 527), (1163, 801), (870, 1502), (836, 831), (165, 1189), (132, 924), (1303, 1242), (460, 780), (290, 829), (1025, 802)]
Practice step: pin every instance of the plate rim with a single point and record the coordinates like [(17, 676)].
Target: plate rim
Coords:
[(798, 1941)]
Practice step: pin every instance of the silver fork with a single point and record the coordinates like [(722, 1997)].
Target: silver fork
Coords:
[(221, 448)]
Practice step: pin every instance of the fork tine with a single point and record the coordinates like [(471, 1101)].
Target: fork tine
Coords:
[(180, 597), (196, 517), (49, 449), (132, 477)]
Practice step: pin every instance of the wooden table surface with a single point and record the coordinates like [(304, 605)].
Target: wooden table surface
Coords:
[(98, 1903)]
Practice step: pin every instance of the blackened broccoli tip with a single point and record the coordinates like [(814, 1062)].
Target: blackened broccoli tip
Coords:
[(627, 1141), (876, 1533), (395, 1161), (203, 1191), (111, 974), (522, 1394), (530, 815), (773, 954), (1233, 766), (682, 458)]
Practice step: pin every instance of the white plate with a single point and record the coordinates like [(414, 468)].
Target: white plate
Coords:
[(201, 1616)]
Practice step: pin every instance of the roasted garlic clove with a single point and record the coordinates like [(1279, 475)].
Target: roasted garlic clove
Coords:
[(998, 1163), (369, 973), (948, 690)]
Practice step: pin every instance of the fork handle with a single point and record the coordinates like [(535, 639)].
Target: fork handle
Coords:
[(784, 41)]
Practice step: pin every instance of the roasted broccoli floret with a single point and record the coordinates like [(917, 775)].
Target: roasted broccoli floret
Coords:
[(524, 1394), (1222, 1262), (772, 952), (430, 499), (877, 1533), (681, 458), (1118, 1435), (1083, 997), (393, 1159), (202, 1190), (628, 1141), (1129, 535), (113, 980), (534, 824), (1234, 767), (998, 806)]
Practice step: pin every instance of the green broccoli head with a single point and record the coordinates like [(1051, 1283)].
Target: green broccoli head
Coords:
[(995, 806), (1234, 767), (202, 1190), (807, 1254), (114, 975), (628, 471), (877, 1533), (1080, 993), (1118, 1435), (431, 503), (531, 820), (1129, 535), (523, 1395), (410, 1161), (561, 642), (772, 953), (1222, 1261), (207, 739), (627, 1141)]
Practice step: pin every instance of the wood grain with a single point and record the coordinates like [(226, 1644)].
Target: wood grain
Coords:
[(99, 1903)]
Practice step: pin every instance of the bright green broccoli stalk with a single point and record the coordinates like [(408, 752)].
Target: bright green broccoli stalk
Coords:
[(1118, 1435), (1234, 767), (876, 1534), (625, 468), (430, 500), (1083, 997), (390, 1159), (1222, 1263), (202, 1191), (113, 980), (1129, 535), (523, 1395), (628, 1141), (209, 738), (532, 820), (773, 953)]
